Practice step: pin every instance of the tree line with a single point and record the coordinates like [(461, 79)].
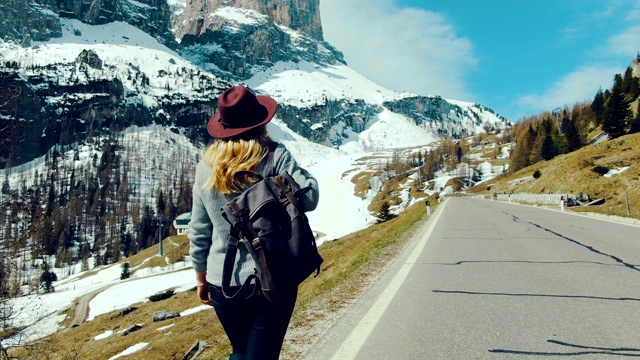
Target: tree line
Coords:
[(551, 133), (72, 209)]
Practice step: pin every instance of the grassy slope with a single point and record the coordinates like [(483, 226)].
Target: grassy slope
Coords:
[(573, 173)]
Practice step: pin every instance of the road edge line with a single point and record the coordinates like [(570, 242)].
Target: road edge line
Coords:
[(353, 343)]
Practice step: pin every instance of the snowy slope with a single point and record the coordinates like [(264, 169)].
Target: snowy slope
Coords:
[(306, 84)]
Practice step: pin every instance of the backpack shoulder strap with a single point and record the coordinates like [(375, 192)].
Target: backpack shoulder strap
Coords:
[(249, 287)]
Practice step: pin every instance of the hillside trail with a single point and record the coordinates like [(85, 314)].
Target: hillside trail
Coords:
[(81, 306)]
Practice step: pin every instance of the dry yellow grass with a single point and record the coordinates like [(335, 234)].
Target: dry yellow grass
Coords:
[(171, 343), (174, 249), (574, 173), (361, 182)]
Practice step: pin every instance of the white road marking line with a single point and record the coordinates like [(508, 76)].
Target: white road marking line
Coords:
[(352, 344)]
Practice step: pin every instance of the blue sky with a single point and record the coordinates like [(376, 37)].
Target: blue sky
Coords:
[(518, 57)]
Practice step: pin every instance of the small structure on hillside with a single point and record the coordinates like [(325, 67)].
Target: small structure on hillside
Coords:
[(181, 223)]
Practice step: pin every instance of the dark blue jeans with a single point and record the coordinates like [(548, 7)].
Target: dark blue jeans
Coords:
[(255, 327)]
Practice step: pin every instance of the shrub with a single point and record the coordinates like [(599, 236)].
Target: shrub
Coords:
[(537, 174), (125, 271), (384, 213)]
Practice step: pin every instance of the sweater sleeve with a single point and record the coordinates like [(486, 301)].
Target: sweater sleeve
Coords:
[(286, 162), (200, 226)]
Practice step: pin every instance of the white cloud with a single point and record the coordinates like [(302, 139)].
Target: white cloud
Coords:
[(402, 49), (577, 86), (626, 43), (634, 13)]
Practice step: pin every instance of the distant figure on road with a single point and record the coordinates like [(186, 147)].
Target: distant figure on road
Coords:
[(256, 327)]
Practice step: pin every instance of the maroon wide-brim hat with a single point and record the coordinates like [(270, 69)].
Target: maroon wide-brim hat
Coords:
[(240, 110)]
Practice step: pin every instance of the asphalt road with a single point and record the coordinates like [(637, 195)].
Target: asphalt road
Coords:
[(491, 280)]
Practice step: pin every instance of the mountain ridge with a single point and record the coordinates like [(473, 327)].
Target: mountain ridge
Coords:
[(75, 31)]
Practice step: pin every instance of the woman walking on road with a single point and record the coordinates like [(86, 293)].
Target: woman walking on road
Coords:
[(255, 327)]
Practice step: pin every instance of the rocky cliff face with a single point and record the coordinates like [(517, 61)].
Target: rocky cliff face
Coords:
[(234, 38), (25, 20), (445, 118), (39, 20), (61, 103), (329, 123), (302, 16)]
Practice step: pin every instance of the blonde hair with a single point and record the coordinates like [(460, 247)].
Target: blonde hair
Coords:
[(228, 156)]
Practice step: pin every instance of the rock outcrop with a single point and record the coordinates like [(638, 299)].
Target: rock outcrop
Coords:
[(63, 103), (25, 21), (446, 118), (234, 38), (302, 16)]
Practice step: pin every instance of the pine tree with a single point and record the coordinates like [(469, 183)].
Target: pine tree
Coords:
[(598, 106), (384, 213), (535, 148), (634, 88), (548, 149), (459, 153), (145, 234), (185, 195), (617, 114), (47, 278), (5, 186), (634, 126), (125, 271), (160, 205), (572, 136), (628, 82)]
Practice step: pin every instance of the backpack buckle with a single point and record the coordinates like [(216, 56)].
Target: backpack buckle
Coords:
[(256, 243)]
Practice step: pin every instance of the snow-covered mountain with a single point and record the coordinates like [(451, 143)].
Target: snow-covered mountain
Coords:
[(152, 80)]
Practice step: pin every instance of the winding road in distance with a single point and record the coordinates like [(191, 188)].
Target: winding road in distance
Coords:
[(491, 280)]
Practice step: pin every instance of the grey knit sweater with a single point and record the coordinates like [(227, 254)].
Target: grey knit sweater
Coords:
[(208, 231)]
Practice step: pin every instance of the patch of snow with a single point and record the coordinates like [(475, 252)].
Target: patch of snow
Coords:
[(163, 328), (614, 172), (104, 335), (195, 310), (130, 350), (240, 16)]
